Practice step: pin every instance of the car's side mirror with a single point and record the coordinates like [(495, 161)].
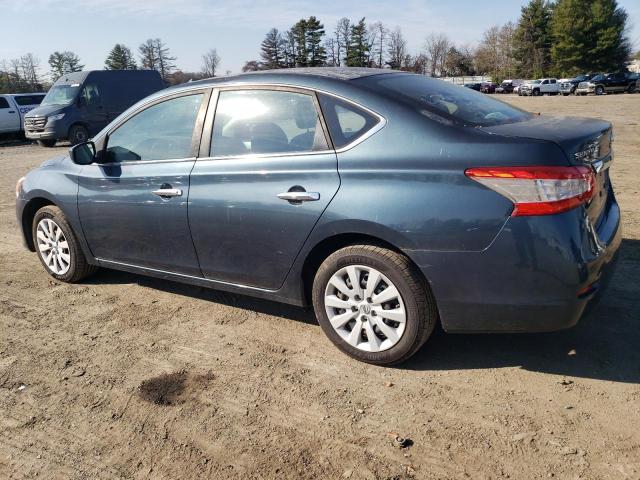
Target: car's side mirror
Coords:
[(83, 153)]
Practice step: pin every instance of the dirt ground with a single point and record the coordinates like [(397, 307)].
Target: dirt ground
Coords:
[(130, 377)]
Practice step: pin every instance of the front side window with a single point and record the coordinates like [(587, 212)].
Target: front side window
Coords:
[(266, 122), (346, 122), (161, 132), (90, 95)]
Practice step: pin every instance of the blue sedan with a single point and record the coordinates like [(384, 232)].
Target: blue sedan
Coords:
[(388, 201)]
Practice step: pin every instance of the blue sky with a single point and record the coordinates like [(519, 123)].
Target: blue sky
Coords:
[(234, 27)]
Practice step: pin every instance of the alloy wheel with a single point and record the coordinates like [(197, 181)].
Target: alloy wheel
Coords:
[(53, 246), (365, 308)]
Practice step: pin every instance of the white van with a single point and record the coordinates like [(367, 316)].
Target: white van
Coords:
[(13, 107)]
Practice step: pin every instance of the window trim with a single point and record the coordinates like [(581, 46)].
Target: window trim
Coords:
[(205, 144), (195, 138)]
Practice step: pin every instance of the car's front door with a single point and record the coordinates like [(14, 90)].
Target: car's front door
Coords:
[(133, 205), (91, 106), (266, 174), (9, 116)]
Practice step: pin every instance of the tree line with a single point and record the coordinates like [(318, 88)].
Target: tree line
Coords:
[(24, 74), (562, 38)]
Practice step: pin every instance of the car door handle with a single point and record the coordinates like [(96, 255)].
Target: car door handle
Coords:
[(168, 192), (299, 196)]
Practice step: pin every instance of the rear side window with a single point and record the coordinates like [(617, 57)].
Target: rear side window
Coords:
[(443, 101), (346, 122), (161, 132), (29, 99), (4, 103), (266, 122)]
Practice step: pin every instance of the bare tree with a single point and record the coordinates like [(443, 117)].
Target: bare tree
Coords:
[(378, 36), (343, 39), (154, 55), (397, 49), (437, 47), (333, 55), (29, 67), (210, 62)]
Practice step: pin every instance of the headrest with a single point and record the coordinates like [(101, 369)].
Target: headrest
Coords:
[(305, 117)]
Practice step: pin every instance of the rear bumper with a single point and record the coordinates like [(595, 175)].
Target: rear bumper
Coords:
[(539, 274)]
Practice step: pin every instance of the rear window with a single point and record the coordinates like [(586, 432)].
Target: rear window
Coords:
[(449, 102), (28, 99), (346, 122), (4, 103)]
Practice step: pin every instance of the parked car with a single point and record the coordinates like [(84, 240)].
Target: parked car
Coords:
[(389, 201), (80, 104), (474, 86), (488, 88), (509, 86), (543, 86), (608, 83), (568, 86), (13, 107)]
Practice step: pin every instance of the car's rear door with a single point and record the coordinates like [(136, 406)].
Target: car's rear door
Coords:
[(133, 205), (265, 175)]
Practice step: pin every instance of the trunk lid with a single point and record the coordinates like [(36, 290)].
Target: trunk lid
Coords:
[(585, 141)]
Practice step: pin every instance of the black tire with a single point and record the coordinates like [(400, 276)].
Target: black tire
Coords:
[(79, 268), (419, 303), (536, 93), (599, 90), (47, 143), (78, 134)]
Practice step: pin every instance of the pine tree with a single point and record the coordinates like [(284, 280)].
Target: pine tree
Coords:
[(120, 58), (589, 36), (299, 32), (316, 53), (272, 54), (358, 51), (64, 62), (533, 39)]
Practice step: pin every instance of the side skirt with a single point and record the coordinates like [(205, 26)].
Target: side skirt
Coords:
[(201, 282)]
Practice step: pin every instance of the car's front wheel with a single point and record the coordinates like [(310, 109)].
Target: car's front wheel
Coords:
[(78, 134), (373, 304), (57, 246)]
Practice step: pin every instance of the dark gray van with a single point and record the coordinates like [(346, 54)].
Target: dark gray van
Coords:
[(80, 104)]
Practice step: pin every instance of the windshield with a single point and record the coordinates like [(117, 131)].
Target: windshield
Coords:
[(61, 95), (445, 100), (597, 78)]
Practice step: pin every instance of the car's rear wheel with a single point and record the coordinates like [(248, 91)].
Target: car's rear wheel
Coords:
[(47, 143), (78, 134), (373, 304), (58, 247)]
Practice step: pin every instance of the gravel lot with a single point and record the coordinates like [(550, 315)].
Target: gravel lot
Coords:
[(131, 377)]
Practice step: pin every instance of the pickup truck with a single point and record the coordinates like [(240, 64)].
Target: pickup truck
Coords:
[(608, 83), (568, 86), (543, 86), (13, 108)]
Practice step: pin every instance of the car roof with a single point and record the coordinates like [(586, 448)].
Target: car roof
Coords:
[(294, 75)]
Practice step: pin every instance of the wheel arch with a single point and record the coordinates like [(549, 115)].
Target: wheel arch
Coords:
[(28, 213), (80, 123), (321, 250)]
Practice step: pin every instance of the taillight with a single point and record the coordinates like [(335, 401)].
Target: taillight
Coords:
[(538, 190)]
